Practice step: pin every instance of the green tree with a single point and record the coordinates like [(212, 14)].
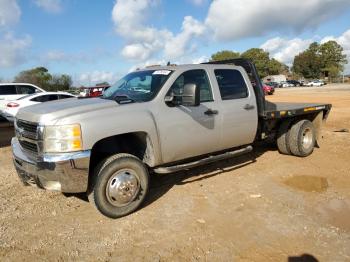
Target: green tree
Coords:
[(260, 58), (41, 77), (224, 55), (332, 58), (326, 59), (308, 63), (275, 67), (60, 83), (38, 76)]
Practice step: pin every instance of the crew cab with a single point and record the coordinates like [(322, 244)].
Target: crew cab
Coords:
[(155, 120)]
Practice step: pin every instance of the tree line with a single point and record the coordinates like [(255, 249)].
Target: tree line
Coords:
[(317, 61), (41, 77)]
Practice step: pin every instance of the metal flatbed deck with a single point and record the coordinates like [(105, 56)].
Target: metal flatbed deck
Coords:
[(282, 109)]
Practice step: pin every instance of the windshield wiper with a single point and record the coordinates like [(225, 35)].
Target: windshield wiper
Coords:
[(123, 99)]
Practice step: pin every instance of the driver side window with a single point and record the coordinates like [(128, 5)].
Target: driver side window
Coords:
[(198, 77)]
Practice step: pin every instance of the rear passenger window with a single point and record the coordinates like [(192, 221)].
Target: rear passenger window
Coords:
[(25, 90), (198, 77), (44, 98), (64, 96), (8, 90), (231, 84)]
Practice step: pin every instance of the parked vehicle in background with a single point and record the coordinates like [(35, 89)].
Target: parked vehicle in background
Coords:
[(163, 120), (268, 90), (315, 83), (93, 91), (10, 109), (12, 91), (285, 84), (294, 82), (273, 84), (275, 78)]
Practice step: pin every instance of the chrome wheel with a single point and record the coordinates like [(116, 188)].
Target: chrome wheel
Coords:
[(122, 187), (307, 138)]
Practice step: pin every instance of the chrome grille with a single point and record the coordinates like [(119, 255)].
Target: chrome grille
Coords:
[(27, 126), (27, 134), (28, 146)]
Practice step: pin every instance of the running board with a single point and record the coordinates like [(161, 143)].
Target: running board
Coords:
[(207, 160)]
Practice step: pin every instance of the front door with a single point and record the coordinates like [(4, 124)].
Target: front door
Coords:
[(189, 131)]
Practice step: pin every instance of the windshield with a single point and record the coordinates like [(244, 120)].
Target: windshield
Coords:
[(139, 86)]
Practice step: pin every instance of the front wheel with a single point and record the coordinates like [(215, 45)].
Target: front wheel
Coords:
[(119, 185)]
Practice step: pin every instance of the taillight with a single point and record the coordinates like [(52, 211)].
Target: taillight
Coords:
[(12, 104)]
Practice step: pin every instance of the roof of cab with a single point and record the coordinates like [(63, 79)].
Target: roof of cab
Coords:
[(186, 67)]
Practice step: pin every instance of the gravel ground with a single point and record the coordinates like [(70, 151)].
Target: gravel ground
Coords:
[(259, 207)]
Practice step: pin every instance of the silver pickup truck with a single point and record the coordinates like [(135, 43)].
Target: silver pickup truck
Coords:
[(159, 119)]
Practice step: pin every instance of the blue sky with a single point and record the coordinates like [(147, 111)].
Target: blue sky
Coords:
[(97, 41)]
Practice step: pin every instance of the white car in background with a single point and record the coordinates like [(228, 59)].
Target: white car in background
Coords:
[(10, 109), (13, 91), (315, 83), (285, 84)]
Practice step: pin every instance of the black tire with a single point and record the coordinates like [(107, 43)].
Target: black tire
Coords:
[(282, 137), (113, 169), (302, 138)]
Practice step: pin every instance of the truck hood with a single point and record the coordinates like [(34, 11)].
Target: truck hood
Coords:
[(50, 112)]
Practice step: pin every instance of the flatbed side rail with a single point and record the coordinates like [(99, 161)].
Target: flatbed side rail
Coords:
[(278, 114)]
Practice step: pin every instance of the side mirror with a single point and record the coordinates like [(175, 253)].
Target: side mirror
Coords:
[(191, 95)]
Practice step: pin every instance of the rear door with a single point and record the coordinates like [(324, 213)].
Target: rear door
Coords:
[(237, 107)]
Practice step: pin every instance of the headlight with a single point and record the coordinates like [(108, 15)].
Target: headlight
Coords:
[(60, 139)]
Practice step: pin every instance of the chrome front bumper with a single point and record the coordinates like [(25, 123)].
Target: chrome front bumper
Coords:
[(66, 172)]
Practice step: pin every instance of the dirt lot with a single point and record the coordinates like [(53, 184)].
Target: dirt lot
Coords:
[(259, 207)]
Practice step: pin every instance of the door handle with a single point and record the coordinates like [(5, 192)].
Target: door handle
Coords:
[(249, 107), (211, 112)]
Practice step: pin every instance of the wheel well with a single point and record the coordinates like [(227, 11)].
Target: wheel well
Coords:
[(137, 144)]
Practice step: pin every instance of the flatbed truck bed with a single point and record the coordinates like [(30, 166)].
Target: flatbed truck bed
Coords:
[(285, 109)]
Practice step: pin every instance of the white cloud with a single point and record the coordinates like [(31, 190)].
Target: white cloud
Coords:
[(176, 46), (284, 49), (92, 78), (51, 6), (58, 56), (13, 50), (144, 41), (230, 20), (10, 12), (136, 52), (55, 55), (199, 60)]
